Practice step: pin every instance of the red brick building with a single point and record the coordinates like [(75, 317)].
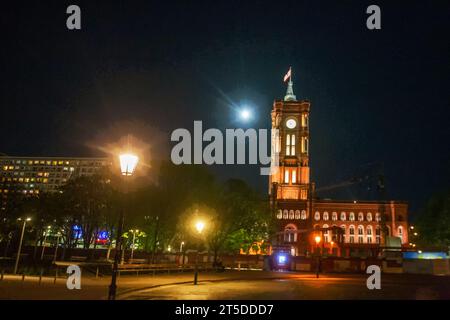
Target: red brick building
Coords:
[(307, 224)]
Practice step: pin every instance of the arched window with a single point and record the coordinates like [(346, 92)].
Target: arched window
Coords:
[(400, 232), (369, 216), (291, 214), (294, 176), (334, 216), (285, 214), (290, 145), (317, 215), (351, 232), (297, 214), (351, 216), (279, 214), (303, 216), (290, 233), (343, 216), (326, 235), (378, 234), (360, 234), (377, 217), (369, 234), (325, 216), (344, 237), (360, 216), (286, 175)]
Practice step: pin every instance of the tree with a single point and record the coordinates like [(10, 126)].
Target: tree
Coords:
[(434, 222)]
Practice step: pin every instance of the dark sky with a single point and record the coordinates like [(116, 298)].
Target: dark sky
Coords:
[(150, 67)]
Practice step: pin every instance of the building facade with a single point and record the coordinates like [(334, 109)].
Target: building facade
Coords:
[(33, 175), (307, 224)]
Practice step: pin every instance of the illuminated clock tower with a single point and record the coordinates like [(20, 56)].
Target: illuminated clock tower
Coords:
[(289, 187)]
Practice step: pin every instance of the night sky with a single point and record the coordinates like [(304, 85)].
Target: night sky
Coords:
[(149, 67)]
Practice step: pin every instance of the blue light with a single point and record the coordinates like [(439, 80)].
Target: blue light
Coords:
[(281, 259)]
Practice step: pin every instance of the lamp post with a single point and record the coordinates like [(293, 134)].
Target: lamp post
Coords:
[(199, 226), (128, 163), (20, 243), (181, 252), (56, 248), (317, 239), (45, 239)]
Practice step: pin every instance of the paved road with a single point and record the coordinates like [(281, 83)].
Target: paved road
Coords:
[(303, 287), (233, 285)]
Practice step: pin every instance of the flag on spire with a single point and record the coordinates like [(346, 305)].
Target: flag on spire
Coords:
[(288, 75)]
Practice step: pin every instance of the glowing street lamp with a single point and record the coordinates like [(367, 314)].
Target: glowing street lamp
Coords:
[(317, 239), (46, 233), (199, 226), (16, 266), (128, 164), (245, 114)]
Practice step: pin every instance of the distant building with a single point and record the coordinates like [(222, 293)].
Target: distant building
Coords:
[(33, 175), (342, 228)]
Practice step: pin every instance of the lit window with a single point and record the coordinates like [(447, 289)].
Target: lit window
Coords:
[(285, 214), (286, 176), (325, 216), (351, 216), (334, 216), (290, 145), (377, 217), (294, 176), (279, 214), (291, 214), (343, 216), (305, 145), (369, 216), (360, 216), (304, 120), (297, 214), (303, 216), (317, 215), (325, 233)]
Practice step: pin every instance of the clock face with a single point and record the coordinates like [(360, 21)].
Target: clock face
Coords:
[(291, 123)]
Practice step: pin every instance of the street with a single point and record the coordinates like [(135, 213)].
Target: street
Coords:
[(233, 285)]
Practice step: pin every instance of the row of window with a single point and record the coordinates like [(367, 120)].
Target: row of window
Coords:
[(291, 214), (343, 216), (297, 214), (49, 163)]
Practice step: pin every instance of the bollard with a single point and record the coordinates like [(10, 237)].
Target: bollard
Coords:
[(40, 276), (96, 273), (23, 277), (56, 276), (1, 277)]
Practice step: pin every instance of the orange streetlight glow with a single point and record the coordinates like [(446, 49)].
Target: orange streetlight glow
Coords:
[(317, 239)]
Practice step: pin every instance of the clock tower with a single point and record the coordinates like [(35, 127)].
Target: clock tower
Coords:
[(291, 118)]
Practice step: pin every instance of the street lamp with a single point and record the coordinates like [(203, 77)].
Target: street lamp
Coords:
[(199, 226), (56, 248), (20, 243), (128, 163), (317, 239), (181, 252)]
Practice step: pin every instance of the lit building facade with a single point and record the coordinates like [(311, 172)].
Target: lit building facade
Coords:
[(345, 228), (33, 175)]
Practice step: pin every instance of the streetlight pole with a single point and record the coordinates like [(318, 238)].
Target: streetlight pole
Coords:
[(199, 226), (128, 163), (43, 243), (317, 239), (20, 244), (56, 248)]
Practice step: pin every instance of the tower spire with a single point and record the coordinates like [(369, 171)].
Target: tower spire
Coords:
[(290, 96)]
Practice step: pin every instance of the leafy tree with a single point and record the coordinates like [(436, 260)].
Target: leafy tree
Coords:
[(434, 222)]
